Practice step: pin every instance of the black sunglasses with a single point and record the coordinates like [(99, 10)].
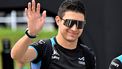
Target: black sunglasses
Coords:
[(70, 22)]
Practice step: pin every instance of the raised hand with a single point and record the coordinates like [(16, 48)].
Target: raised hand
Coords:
[(35, 21)]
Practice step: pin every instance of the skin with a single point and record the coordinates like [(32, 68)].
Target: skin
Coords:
[(66, 37)]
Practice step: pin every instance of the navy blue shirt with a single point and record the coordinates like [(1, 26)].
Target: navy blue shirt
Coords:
[(62, 58)]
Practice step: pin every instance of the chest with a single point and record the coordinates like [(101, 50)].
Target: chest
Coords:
[(62, 59)]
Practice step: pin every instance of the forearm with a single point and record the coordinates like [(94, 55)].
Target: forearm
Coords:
[(35, 23), (20, 48)]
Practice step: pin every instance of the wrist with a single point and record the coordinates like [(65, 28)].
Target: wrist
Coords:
[(29, 35)]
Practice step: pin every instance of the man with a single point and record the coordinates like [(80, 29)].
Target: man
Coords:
[(116, 63), (64, 51)]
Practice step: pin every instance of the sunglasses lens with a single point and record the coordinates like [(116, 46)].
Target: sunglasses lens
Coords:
[(80, 24), (69, 23)]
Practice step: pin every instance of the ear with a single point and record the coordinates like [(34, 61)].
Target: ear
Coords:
[(58, 20)]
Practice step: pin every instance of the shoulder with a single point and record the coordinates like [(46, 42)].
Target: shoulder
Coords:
[(87, 49), (40, 47), (89, 56), (88, 53), (41, 42)]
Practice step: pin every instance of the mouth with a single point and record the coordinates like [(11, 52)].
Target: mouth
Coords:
[(73, 34)]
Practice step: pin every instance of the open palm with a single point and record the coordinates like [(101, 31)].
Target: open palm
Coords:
[(35, 21)]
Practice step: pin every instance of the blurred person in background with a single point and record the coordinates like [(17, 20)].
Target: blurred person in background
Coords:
[(116, 63), (64, 51)]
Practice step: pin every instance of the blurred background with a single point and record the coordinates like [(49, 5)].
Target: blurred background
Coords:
[(102, 32)]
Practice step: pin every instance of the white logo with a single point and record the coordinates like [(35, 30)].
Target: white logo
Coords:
[(55, 55), (55, 52), (41, 42), (81, 58), (115, 64), (81, 61)]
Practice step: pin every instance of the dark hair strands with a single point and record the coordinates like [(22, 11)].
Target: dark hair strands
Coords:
[(71, 5)]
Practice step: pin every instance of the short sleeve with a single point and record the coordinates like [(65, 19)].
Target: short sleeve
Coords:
[(38, 47)]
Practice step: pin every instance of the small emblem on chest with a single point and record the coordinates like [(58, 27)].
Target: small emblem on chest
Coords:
[(55, 55), (81, 60)]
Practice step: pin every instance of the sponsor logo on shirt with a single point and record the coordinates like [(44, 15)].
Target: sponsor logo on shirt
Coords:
[(81, 60), (41, 42), (55, 55), (115, 64)]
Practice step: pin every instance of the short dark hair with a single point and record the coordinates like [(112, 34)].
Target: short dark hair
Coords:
[(71, 5)]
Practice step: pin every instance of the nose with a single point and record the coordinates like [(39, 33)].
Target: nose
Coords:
[(74, 27)]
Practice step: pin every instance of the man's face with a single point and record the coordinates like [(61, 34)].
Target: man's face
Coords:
[(73, 28)]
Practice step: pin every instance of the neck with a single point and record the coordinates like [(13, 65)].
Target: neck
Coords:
[(65, 43)]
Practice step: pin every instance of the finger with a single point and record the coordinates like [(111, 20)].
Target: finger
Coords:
[(43, 16), (29, 6), (38, 8), (26, 12), (33, 5)]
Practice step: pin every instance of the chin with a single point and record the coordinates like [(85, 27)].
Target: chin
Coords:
[(71, 39)]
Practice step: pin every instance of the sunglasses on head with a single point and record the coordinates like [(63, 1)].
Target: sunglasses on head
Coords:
[(70, 23)]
